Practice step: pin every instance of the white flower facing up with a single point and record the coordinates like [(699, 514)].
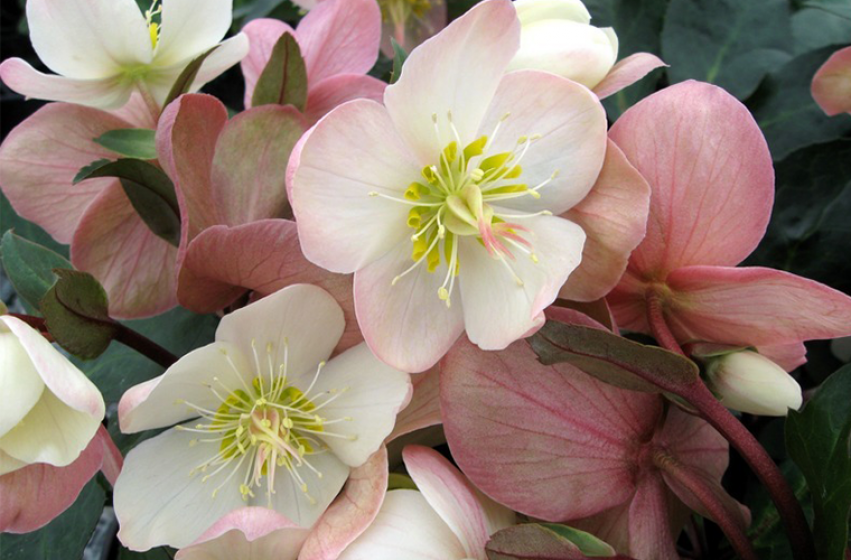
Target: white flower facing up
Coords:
[(270, 423), (104, 50)]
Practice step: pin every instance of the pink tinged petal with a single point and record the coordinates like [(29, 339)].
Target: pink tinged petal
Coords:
[(787, 356), (497, 310), (340, 37), (572, 125), (832, 83), (110, 92), (89, 39), (228, 54), (41, 156), (336, 90), (262, 34), (33, 496), (710, 172), (628, 301), (187, 31), (406, 527), (754, 306), (694, 443), (627, 72), (406, 325), (650, 531), (136, 267), (138, 112), (113, 461), (19, 380), (614, 218), (350, 153), (457, 70), (424, 409), (582, 448), (351, 513), (415, 31)]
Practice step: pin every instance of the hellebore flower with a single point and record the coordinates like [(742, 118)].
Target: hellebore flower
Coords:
[(455, 181), (712, 190), (447, 518), (750, 382), (832, 83), (262, 421), (104, 50), (339, 42)]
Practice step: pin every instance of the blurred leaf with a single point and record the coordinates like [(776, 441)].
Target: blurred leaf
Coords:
[(730, 43), (399, 57), (130, 142), (284, 79), (26, 229), (766, 530), (817, 27), (183, 83), (546, 541), (785, 110), (30, 267), (65, 537), (159, 553), (248, 10), (396, 481), (819, 441)]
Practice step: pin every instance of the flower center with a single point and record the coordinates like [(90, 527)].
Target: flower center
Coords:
[(399, 11), (454, 198), (268, 424), (153, 27)]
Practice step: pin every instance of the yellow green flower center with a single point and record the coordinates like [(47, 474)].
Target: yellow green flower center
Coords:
[(399, 11)]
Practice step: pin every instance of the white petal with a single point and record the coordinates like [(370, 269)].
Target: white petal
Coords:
[(9, 464), (20, 384), (406, 527), (158, 503), (530, 11), (373, 393), (190, 28), (498, 311)]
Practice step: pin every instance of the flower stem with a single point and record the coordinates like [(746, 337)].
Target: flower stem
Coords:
[(656, 318)]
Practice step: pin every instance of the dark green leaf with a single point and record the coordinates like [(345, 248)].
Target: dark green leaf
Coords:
[(284, 79), (76, 311), (184, 81), (546, 541), (150, 191), (785, 110), (65, 537), (29, 267), (130, 142), (28, 230), (87, 171), (399, 57), (159, 553), (819, 441), (766, 531), (730, 43), (820, 25)]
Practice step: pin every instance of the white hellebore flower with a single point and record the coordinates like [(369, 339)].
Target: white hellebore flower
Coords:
[(750, 382), (49, 410), (557, 37), (103, 50), (444, 201), (262, 420)]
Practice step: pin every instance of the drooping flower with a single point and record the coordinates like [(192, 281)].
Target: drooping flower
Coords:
[(750, 382), (712, 190), (448, 518), (104, 50), (261, 419), (832, 83), (455, 182)]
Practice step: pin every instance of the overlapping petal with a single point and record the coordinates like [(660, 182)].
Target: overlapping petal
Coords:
[(626, 72), (832, 83)]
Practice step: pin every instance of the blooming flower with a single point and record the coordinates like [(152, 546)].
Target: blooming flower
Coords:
[(262, 421), (455, 181), (750, 382), (832, 83), (447, 518), (103, 50)]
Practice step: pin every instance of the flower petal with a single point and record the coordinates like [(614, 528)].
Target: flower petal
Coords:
[(832, 83), (228, 54), (627, 72), (650, 532), (338, 89), (20, 383), (457, 70), (424, 409), (188, 31), (787, 356), (262, 34), (498, 311)]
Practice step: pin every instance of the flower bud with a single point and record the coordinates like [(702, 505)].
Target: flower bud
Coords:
[(556, 36), (750, 382)]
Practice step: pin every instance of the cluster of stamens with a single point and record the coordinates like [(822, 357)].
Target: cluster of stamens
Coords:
[(454, 200), (399, 11), (263, 426), (153, 27)]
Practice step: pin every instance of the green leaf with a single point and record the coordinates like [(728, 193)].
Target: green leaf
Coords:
[(76, 311), (819, 441), (399, 57), (86, 172), (29, 267), (159, 553), (730, 43), (284, 79), (785, 110), (821, 24), (130, 142), (614, 359), (150, 191), (65, 537), (587, 543), (26, 229), (546, 541), (184, 81), (396, 481)]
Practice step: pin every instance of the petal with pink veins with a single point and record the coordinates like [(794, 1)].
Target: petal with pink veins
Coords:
[(832, 83), (650, 513), (627, 72), (787, 356), (338, 89), (424, 409), (262, 34)]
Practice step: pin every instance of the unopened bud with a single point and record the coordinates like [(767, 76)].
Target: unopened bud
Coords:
[(750, 382)]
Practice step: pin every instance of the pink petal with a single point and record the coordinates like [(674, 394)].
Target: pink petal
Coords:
[(112, 459), (710, 172), (787, 356), (262, 33), (572, 317), (424, 408), (628, 301), (338, 89), (614, 218), (577, 447), (340, 37), (832, 83), (415, 31), (754, 306), (351, 513), (651, 534), (627, 72), (41, 156), (136, 267)]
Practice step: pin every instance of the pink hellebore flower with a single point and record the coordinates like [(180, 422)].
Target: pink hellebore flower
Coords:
[(713, 186), (832, 83), (262, 420), (455, 180), (339, 43), (448, 518), (104, 50)]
